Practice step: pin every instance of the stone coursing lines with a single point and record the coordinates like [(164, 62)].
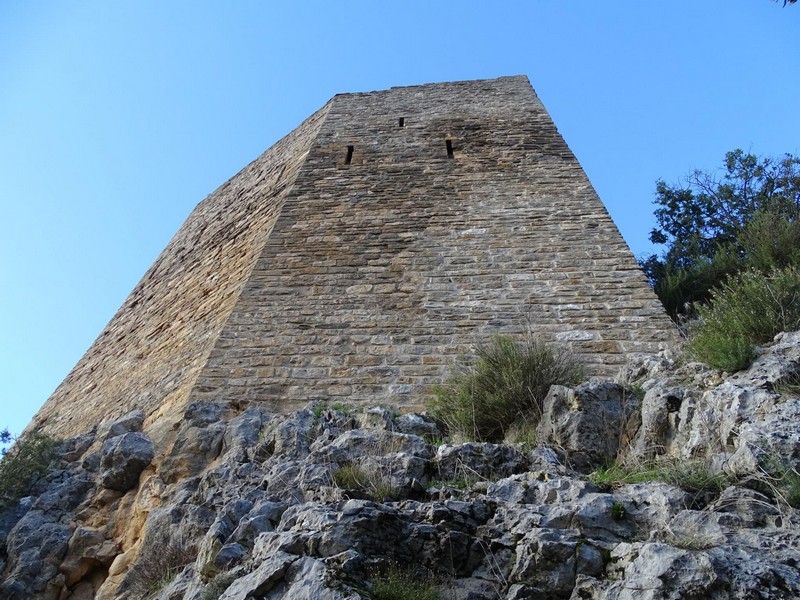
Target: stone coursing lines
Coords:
[(150, 353), (305, 277), (381, 273)]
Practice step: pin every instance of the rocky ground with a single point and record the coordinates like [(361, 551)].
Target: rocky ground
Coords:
[(238, 503)]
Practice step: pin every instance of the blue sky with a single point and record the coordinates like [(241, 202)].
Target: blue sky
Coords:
[(116, 119)]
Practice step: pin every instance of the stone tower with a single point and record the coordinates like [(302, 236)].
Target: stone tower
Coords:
[(363, 253)]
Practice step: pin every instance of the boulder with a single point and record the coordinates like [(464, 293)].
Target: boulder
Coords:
[(587, 422), (122, 460)]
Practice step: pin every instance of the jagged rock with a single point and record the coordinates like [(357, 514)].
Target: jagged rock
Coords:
[(123, 458), (771, 445), (586, 423), (417, 425), (243, 430), (88, 549), (128, 423), (65, 490), (658, 571), (660, 421), (753, 508), (199, 441), (653, 505), (35, 548), (262, 510), (645, 368), (478, 460), (75, 447), (377, 418), (292, 437), (262, 579), (539, 488), (546, 562)]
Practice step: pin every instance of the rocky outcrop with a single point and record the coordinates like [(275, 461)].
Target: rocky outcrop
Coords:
[(242, 504)]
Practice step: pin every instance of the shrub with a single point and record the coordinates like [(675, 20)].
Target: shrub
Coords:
[(748, 309), (508, 381), (30, 457), (217, 586)]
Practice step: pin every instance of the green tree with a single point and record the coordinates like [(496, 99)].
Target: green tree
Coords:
[(31, 456), (718, 223)]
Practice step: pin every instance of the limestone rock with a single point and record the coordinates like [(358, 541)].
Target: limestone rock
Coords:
[(199, 441), (262, 514), (128, 423), (123, 458), (586, 423)]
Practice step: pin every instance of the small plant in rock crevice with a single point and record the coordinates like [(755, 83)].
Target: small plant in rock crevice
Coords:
[(780, 480), (690, 475), (617, 511), (157, 567), (395, 583), (354, 477)]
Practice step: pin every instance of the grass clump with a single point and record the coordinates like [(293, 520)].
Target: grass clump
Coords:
[(690, 475), (395, 583), (789, 386), (782, 480), (31, 456), (354, 477), (158, 566), (746, 310), (507, 382)]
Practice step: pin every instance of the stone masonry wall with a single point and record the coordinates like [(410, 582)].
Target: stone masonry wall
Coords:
[(380, 273), (363, 254), (151, 351)]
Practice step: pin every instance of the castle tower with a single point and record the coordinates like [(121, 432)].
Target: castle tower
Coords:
[(362, 254)]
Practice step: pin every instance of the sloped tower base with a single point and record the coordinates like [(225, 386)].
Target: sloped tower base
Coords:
[(365, 252)]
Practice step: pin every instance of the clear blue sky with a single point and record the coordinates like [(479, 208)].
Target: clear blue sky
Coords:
[(116, 119)]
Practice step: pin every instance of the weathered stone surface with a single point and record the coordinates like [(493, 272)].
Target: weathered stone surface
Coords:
[(266, 517), (311, 276), (35, 547), (742, 423), (586, 423), (478, 459), (199, 441), (123, 458), (113, 427)]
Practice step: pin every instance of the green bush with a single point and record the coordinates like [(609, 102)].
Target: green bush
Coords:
[(507, 381), (746, 310), (716, 224), (30, 457), (771, 241)]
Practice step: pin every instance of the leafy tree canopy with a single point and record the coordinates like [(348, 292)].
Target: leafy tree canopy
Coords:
[(719, 223)]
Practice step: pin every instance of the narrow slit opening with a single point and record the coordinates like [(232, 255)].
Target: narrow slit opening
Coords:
[(449, 149), (401, 121), (349, 156)]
